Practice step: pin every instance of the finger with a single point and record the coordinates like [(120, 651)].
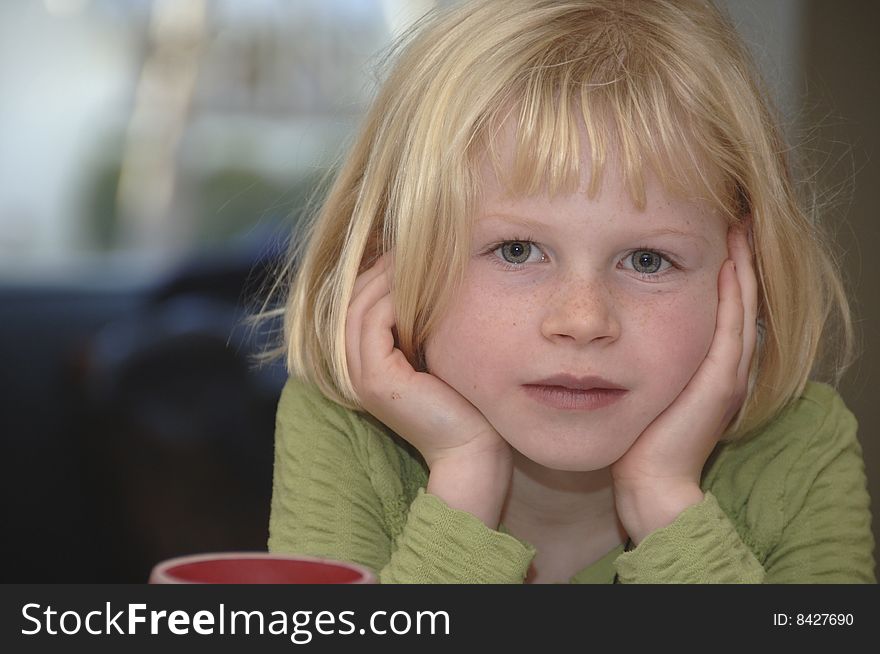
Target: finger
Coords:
[(374, 286), (377, 340), (715, 379), (745, 270), (727, 344), (379, 265)]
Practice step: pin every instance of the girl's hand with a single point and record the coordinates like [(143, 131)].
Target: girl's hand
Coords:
[(659, 476), (438, 421)]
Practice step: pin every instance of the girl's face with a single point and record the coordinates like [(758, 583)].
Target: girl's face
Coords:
[(570, 285)]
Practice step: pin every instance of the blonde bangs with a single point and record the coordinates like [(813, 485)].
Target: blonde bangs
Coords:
[(588, 98)]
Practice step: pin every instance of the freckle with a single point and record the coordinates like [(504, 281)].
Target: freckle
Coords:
[(395, 396)]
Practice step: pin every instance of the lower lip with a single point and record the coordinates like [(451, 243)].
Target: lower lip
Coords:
[(559, 397)]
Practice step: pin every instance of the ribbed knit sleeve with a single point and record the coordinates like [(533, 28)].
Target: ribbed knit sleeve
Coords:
[(445, 545), (826, 537), (701, 546), (340, 491), (799, 494), (322, 501)]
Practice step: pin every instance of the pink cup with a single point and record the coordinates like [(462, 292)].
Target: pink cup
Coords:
[(258, 568)]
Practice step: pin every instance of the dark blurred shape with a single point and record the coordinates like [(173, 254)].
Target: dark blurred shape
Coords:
[(179, 445), (145, 431)]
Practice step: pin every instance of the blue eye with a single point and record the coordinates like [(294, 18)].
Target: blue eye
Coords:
[(648, 264), (516, 251), (646, 259)]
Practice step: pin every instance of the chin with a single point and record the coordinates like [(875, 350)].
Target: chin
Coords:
[(567, 461)]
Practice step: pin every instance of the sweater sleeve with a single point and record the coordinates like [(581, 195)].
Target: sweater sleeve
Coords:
[(700, 546), (827, 535), (444, 545), (822, 510), (337, 493)]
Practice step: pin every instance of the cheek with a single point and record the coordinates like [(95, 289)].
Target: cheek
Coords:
[(683, 329), (460, 334), (475, 337)]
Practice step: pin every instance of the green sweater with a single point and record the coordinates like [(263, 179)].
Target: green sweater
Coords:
[(787, 506)]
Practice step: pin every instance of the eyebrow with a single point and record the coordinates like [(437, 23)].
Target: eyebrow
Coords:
[(537, 225)]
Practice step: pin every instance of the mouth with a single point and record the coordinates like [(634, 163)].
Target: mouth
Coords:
[(577, 383), (574, 399)]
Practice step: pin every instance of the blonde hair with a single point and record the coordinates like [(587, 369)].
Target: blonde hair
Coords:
[(659, 83)]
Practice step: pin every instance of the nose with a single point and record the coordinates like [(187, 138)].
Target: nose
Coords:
[(581, 311)]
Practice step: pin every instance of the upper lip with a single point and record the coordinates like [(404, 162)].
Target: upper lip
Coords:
[(577, 383)]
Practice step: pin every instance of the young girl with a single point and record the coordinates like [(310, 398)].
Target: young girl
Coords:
[(557, 318)]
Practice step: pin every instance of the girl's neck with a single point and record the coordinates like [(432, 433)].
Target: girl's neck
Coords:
[(558, 497), (569, 517)]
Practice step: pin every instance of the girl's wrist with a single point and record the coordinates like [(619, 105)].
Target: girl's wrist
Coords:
[(475, 485), (645, 510)]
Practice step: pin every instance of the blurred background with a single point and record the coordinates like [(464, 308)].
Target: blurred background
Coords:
[(154, 157)]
